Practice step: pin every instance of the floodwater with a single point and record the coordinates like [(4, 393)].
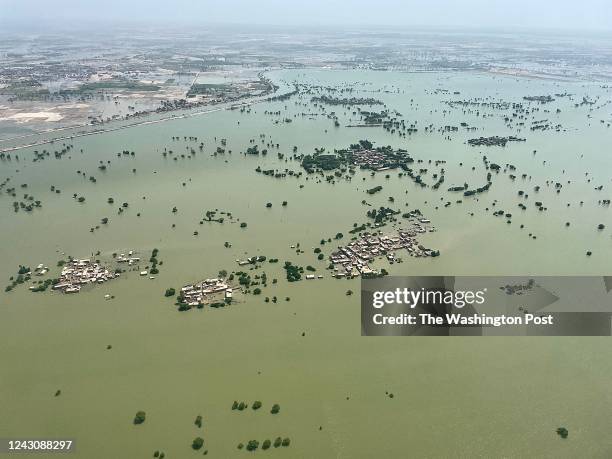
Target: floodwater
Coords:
[(453, 397)]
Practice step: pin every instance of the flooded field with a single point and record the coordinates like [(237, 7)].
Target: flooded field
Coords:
[(452, 397)]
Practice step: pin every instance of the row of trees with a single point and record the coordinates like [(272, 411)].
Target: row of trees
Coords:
[(240, 406), (253, 445)]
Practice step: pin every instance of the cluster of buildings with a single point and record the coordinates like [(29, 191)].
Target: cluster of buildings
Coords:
[(82, 272), (370, 159), (129, 258), (353, 259), (206, 292)]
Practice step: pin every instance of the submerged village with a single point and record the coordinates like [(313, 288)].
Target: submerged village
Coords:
[(350, 261), (355, 259), (385, 235)]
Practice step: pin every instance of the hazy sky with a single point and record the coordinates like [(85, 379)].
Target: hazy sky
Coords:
[(559, 14)]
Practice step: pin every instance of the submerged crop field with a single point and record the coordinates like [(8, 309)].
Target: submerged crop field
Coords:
[(218, 259)]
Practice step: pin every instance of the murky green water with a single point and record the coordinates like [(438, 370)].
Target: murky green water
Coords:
[(459, 397)]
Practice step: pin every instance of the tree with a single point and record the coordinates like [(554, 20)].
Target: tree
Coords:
[(256, 405), (170, 292), (266, 444), (197, 443), (275, 408), (286, 441), (140, 417), (252, 445)]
